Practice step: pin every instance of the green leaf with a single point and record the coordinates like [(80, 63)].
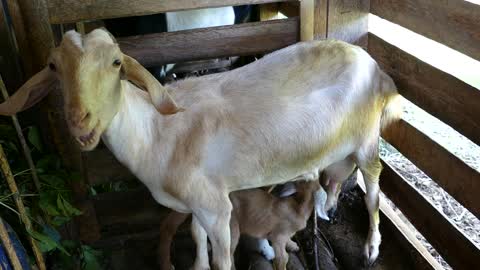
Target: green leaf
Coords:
[(59, 220), (46, 243), (71, 210), (34, 138), (45, 203), (90, 258)]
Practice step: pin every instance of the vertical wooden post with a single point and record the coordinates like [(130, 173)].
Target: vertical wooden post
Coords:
[(34, 15), (320, 19), (348, 21), (306, 20)]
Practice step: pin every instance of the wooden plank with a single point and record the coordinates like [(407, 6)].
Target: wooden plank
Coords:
[(306, 19), (213, 42), (452, 244), (102, 167), (455, 23), (65, 11), (321, 19), (348, 21), (451, 100), (438, 163)]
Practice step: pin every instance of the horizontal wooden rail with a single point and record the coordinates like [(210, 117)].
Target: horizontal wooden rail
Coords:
[(213, 42), (451, 173), (452, 244), (451, 100), (68, 11), (455, 23)]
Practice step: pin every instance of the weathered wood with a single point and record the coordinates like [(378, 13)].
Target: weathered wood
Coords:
[(214, 42), (102, 167), (306, 20), (348, 21), (320, 19), (453, 245), (63, 11), (451, 100), (455, 23), (451, 173)]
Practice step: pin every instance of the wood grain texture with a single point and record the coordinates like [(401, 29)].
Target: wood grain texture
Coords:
[(348, 21), (307, 12), (320, 19), (451, 173), (214, 42), (451, 100), (452, 244), (455, 23), (102, 167), (65, 11)]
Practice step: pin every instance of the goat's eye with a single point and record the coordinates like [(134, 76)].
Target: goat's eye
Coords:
[(52, 67), (117, 63)]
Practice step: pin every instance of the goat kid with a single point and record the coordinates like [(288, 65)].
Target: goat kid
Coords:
[(302, 108), (256, 213)]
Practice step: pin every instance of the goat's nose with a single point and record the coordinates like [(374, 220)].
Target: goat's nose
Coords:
[(80, 118)]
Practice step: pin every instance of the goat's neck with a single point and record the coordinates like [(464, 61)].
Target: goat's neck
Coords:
[(136, 136)]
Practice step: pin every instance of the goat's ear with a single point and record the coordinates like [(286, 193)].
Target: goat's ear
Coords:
[(159, 96), (30, 93)]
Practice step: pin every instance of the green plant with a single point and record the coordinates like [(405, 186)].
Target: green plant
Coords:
[(50, 208)]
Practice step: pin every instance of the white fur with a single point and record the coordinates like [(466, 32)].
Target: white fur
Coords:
[(295, 111)]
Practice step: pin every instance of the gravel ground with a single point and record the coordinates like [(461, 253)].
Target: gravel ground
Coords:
[(455, 143)]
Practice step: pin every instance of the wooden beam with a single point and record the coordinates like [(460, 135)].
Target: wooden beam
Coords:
[(67, 11), (453, 245), (307, 11), (213, 42), (348, 21), (451, 173), (451, 100), (455, 23)]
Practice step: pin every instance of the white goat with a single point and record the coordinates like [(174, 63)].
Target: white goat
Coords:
[(299, 109)]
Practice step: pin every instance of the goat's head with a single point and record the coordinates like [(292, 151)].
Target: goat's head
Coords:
[(89, 69)]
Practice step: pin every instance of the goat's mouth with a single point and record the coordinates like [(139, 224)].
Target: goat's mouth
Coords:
[(88, 140)]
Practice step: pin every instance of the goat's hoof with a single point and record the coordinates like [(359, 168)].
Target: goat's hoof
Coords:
[(370, 255), (332, 213)]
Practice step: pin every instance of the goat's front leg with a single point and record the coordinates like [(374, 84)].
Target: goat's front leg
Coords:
[(216, 223), (371, 172), (200, 237)]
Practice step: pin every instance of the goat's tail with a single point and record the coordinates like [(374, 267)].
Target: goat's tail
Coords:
[(392, 105)]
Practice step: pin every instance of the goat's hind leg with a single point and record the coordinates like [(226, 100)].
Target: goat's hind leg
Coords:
[(371, 170), (199, 236)]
